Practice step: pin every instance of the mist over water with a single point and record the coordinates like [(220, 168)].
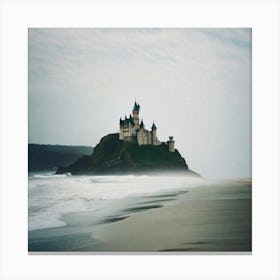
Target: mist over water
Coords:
[(198, 89), (50, 197)]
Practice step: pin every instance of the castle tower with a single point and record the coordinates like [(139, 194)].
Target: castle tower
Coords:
[(171, 144), (121, 129), (135, 114), (154, 134), (142, 124)]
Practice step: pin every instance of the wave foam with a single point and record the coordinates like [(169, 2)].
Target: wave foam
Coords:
[(51, 196)]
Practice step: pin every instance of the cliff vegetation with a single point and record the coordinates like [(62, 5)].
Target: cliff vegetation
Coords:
[(114, 156)]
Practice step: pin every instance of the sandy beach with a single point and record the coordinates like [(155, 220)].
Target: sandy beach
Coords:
[(213, 217)]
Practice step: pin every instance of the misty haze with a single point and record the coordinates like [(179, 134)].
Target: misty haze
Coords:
[(139, 140)]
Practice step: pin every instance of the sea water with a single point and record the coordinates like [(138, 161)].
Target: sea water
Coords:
[(52, 197)]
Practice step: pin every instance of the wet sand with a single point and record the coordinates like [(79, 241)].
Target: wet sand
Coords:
[(205, 219), (210, 218)]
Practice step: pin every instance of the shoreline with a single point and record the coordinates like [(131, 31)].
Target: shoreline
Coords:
[(205, 218)]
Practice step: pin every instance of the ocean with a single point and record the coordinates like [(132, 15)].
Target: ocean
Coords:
[(50, 196), (64, 211)]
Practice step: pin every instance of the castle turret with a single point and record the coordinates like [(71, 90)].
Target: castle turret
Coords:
[(171, 145), (121, 129), (135, 113), (142, 124), (154, 134)]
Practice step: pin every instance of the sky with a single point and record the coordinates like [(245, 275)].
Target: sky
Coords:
[(195, 84)]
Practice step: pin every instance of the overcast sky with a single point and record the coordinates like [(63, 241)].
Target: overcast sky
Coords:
[(195, 84)]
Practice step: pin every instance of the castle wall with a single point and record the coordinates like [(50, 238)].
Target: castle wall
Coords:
[(142, 137), (150, 138), (127, 132), (121, 133), (134, 129), (140, 140)]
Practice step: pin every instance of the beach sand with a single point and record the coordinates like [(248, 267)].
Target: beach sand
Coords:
[(212, 218)]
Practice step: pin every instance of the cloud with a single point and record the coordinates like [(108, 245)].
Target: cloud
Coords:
[(194, 83)]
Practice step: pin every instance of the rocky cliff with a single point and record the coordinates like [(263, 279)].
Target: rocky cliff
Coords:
[(112, 156)]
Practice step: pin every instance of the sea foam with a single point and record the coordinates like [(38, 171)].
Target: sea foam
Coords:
[(52, 196)]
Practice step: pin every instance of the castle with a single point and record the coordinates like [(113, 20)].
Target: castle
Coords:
[(131, 131)]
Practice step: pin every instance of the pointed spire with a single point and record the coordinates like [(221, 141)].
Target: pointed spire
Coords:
[(136, 106), (154, 126)]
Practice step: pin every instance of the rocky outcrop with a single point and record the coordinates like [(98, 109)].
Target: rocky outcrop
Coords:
[(114, 156)]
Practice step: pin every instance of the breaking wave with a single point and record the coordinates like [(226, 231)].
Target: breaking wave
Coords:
[(52, 196)]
